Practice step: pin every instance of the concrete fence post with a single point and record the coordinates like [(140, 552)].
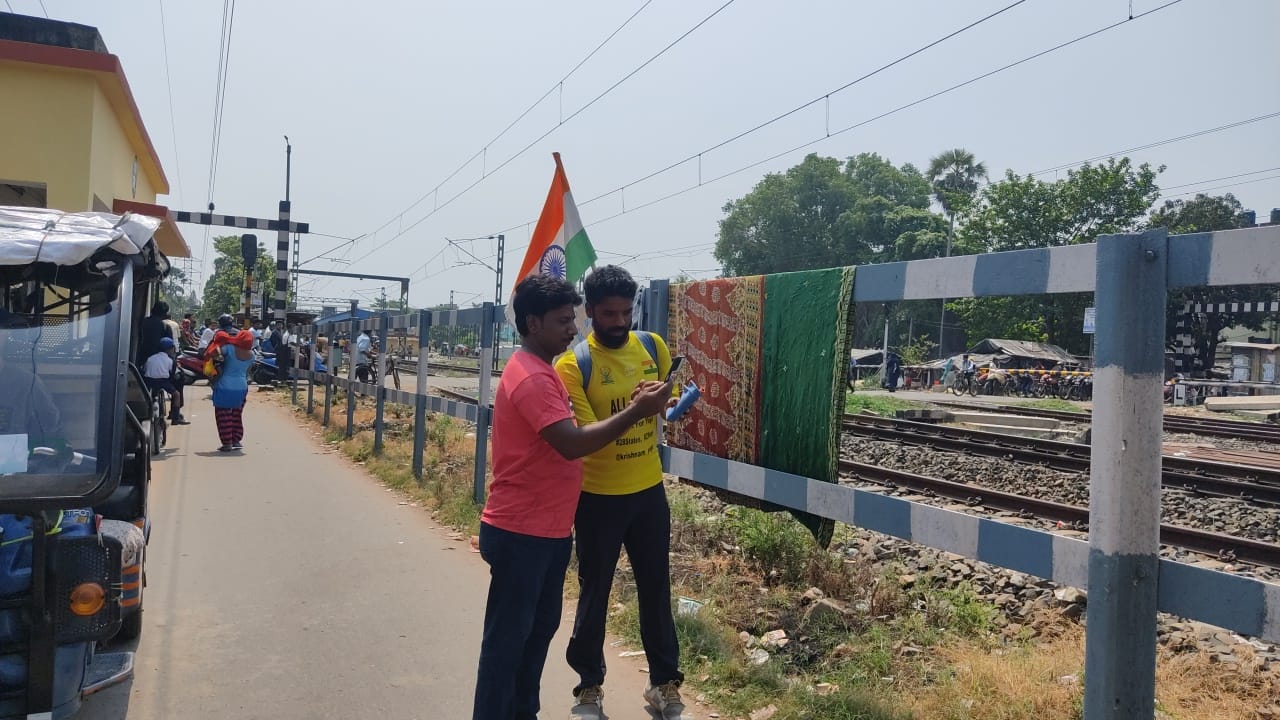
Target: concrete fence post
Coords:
[(351, 376), (1124, 482), (482, 402), (335, 361), (380, 394), (420, 399), (310, 367)]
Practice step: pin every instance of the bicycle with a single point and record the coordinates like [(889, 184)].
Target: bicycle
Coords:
[(159, 420), (963, 383)]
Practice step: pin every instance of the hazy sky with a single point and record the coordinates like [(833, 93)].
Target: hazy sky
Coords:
[(383, 100)]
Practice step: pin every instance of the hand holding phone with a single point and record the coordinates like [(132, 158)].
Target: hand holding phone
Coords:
[(676, 362)]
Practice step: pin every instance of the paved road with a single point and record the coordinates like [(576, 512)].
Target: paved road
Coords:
[(285, 583)]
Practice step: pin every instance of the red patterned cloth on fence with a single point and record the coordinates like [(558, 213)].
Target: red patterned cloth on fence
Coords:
[(717, 326)]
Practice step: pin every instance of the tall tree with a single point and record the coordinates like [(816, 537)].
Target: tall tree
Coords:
[(1205, 213), (955, 176), (824, 213), (224, 290), (1024, 212)]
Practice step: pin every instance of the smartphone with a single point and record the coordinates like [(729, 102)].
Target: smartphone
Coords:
[(676, 362)]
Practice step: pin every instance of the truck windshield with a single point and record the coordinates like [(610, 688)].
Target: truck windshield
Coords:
[(58, 349)]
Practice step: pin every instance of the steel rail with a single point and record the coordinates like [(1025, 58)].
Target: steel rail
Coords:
[(1200, 476), (1224, 547), (1172, 423)]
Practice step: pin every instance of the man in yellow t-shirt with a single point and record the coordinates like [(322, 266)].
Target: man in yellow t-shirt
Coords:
[(623, 502)]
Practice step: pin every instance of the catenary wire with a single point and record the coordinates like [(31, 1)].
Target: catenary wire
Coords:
[(841, 131), (544, 135), (558, 84), (173, 123)]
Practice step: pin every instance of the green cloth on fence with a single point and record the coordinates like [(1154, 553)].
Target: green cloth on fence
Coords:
[(806, 334)]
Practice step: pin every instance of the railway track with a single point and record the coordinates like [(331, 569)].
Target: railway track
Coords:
[(1255, 484), (411, 366), (1262, 432), (1224, 547)]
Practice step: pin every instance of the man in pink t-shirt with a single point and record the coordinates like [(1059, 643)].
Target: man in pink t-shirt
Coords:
[(525, 529)]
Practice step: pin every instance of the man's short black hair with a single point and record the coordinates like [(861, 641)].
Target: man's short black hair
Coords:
[(609, 281), (161, 308), (539, 295)]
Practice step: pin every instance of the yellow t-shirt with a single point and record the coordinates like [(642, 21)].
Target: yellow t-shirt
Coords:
[(630, 463)]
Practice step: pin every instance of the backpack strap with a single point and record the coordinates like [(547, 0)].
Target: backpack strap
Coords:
[(646, 339), (582, 354)]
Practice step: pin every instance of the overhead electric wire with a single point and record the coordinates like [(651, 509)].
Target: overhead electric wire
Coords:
[(1223, 187), (558, 84), (1224, 177), (220, 86), (544, 135), (44, 10), (1158, 143), (831, 134), (173, 123)]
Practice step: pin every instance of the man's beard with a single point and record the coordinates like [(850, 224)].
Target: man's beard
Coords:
[(613, 338)]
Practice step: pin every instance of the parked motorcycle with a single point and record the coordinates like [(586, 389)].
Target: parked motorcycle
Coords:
[(191, 366)]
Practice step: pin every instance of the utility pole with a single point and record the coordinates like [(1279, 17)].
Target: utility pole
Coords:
[(297, 238)]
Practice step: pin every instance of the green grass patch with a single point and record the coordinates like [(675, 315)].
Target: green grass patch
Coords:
[(1052, 404), (878, 404)]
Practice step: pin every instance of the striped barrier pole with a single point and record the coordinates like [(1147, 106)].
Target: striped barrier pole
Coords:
[(1124, 482)]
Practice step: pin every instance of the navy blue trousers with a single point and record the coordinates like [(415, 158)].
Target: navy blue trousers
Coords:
[(526, 586)]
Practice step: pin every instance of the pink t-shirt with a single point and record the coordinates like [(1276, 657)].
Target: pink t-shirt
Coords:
[(534, 489)]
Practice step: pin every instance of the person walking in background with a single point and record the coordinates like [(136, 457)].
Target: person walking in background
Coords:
[(231, 387), (624, 503), (526, 526), (188, 337)]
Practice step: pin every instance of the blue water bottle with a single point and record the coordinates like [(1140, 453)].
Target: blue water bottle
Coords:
[(688, 397)]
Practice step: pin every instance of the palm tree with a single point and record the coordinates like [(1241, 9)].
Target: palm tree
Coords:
[(955, 177)]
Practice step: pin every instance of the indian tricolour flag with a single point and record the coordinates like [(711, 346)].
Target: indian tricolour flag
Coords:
[(559, 246)]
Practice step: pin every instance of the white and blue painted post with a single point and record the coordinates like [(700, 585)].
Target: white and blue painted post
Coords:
[(1124, 482), (482, 402), (420, 398), (335, 361), (311, 369), (656, 314), (380, 393), (351, 373)]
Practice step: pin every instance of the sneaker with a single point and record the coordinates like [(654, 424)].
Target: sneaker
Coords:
[(225, 448), (179, 421), (588, 705), (666, 700), (237, 446)]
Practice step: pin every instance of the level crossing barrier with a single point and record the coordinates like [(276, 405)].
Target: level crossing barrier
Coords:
[(1127, 580)]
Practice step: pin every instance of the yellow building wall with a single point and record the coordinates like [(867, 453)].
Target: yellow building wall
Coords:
[(46, 130), (113, 161)]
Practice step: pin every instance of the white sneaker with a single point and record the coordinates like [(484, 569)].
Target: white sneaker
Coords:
[(666, 700), (589, 703)]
